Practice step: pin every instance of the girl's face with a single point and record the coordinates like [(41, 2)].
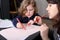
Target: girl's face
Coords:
[(30, 11), (52, 10)]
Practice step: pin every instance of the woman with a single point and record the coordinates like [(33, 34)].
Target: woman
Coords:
[(54, 13)]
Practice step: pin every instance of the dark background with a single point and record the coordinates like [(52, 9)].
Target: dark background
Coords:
[(8, 5)]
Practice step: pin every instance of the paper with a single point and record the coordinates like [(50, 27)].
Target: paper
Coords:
[(6, 23), (19, 34)]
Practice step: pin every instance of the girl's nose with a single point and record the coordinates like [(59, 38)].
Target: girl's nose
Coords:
[(28, 11)]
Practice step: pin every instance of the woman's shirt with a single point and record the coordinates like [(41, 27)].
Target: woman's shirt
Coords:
[(23, 19), (55, 34), (58, 36)]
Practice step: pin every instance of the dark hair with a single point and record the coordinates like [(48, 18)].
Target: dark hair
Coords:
[(57, 24), (53, 1)]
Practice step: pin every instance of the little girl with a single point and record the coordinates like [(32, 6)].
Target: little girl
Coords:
[(27, 14)]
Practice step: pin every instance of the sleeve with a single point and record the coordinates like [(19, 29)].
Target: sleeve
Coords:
[(14, 21), (53, 34)]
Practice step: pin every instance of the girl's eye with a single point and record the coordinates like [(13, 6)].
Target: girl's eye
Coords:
[(30, 9)]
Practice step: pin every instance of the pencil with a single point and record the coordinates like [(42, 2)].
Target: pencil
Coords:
[(21, 23)]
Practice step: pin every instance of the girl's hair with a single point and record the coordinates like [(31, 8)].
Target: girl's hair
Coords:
[(57, 24), (22, 9)]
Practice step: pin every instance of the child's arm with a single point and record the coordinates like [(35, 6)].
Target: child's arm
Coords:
[(37, 20), (30, 22), (19, 24)]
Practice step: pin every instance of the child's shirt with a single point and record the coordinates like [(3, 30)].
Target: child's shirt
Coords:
[(23, 19)]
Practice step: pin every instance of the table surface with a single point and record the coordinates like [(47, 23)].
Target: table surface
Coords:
[(19, 34)]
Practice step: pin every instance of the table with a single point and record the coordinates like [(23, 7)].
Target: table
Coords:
[(19, 34)]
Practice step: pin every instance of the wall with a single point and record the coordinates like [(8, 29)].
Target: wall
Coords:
[(4, 8), (41, 4)]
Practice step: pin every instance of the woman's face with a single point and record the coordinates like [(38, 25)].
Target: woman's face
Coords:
[(52, 10), (30, 11)]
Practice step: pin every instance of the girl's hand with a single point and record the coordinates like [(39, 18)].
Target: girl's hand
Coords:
[(44, 31), (19, 24), (38, 20), (30, 22)]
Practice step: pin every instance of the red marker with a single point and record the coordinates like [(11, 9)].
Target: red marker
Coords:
[(37, 19), (21, 24)]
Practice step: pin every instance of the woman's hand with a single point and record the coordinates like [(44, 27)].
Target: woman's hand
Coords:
[(38, 20), (44, 31)]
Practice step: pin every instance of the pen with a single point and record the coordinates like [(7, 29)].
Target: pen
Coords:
[(21, 24)]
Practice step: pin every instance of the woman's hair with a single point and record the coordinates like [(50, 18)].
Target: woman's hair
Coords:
[(57, 24), (23, 7), (53, 1)]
